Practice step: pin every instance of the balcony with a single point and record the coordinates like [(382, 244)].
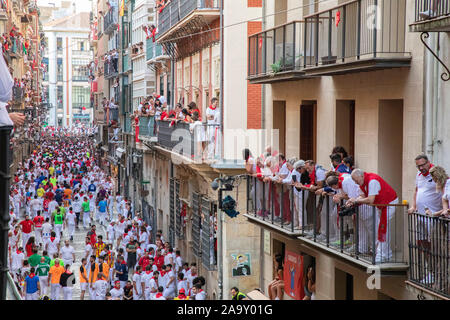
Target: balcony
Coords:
[(110, 68), (153, 51), (110, 21), (341, 40), (178, 14), (194, 143), (147, 128), (431, 16), (429, 257), (315, 220)]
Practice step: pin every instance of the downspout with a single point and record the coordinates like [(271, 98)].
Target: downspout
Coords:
[(429, 100), (221, 215), (263, 126)]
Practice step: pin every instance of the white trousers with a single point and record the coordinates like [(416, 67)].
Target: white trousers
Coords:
[(32, 296), (86, 219), (43, 282), (25, 237), (38, 235), (58, 229), (71, 229), (169, 292), (67, 293), (55, 291), (383, 249)]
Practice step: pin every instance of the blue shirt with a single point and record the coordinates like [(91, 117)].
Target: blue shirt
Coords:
[(102, 206), (121, 267), (342, 168), (32, 284), (92, 188)]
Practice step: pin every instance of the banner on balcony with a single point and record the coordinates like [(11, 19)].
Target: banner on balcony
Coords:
[(122, 7), (293, 275)]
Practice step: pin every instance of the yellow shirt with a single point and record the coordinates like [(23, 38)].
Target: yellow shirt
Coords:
[(51, 170), (40, 192)]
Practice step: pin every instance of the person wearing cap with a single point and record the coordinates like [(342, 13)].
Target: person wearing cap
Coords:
[(181, 295), (117, 291)]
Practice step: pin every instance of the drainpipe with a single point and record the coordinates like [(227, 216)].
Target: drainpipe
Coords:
[(263, 126), (221, 216), (429, 99)]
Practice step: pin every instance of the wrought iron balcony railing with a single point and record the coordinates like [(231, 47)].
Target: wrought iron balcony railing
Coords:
[(176, 11), (360, 35), (429, 257), (319, 220), (153, 49), (110, 21)]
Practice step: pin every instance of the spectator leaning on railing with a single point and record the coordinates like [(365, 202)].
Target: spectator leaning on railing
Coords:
[(374, 190)]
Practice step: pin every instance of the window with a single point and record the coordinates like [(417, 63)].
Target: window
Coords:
[(80, 73), (59, 96), (59, 69), (80, 96), (59, 44)]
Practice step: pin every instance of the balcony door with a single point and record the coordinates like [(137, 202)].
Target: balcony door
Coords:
[(345, 125), (308, 130), (279, 123)]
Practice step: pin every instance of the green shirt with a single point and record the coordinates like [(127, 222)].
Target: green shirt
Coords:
[(61, 262), (86, 207), (59, 218), (53, 180), (62, 210), (34, 260), (42, 269), (47, 259)]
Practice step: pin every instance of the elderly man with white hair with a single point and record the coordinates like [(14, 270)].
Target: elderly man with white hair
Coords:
[(374, 190)]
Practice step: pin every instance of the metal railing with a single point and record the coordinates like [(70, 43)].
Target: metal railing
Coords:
[(356, 30), (276, 50), (319, 219), (198, 141), (429, 244), (175, 11), (111, 67), (153, 49), (431, 9), (147, 126), (110, 20)]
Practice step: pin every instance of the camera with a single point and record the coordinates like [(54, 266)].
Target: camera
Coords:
[(347, 211), (294, 178)]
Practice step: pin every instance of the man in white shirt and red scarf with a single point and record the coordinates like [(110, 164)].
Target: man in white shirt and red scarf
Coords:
[(374, 190), (213, 128)]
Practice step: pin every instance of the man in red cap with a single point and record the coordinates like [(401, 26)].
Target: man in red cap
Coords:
[(181, 295), (116, 291)]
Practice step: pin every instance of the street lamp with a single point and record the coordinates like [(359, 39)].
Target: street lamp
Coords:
[(5, 177)]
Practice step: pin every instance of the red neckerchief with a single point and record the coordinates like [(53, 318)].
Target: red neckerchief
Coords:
[(52, 239), (181, 296), (428, 172), (162, 273), (148, 272), (18, 251), (31, 275), (158, 295)]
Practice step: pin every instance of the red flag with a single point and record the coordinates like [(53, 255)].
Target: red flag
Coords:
[(338, 18), (260, 43), (293, 275)]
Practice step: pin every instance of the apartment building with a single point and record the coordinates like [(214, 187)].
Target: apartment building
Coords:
[(349, 74), (174, 184), (20, 27), (431, 24), (67, 58)]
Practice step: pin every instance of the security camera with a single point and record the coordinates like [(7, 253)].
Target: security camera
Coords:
[(215, 184)]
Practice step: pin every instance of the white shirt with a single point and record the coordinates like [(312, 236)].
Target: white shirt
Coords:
[(88, 250), (46, 229), (167, 259), (446, 195), (146, 278), (67, 252), (71, 218), (116, 294), (110, 230), (17, 260), (427, 197), (52, 245), (100, 287), (320, 173), (137, 279), (169, 275), (349, 187), (182, 284)]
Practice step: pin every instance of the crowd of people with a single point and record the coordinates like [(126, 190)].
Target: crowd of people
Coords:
[(61, 191), (205, 132), (347, 187), (110, 60)]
